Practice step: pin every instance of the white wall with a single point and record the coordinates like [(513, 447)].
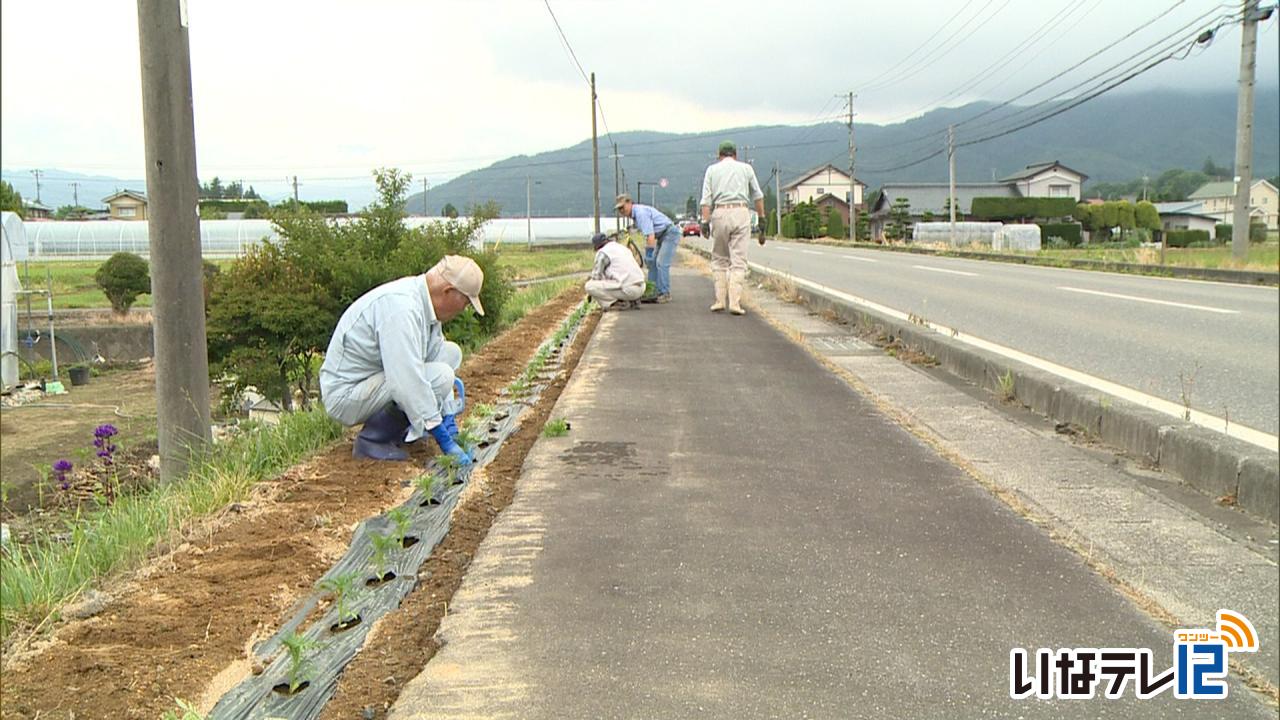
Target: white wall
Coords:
[(835, 183), (1040, 185)]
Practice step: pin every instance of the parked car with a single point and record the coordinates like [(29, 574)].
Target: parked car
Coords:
[(691, 228)]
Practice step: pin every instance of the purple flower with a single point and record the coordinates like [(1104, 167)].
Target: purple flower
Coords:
[(105, 431), (60, 470)]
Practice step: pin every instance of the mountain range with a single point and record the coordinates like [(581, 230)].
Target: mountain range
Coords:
[(1111, 139)]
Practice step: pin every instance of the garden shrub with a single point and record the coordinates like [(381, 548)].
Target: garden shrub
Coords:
[(1184, 238), (1069, 232), (123, 277)]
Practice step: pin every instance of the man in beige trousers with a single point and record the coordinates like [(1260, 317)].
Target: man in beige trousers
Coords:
[(729, 188)]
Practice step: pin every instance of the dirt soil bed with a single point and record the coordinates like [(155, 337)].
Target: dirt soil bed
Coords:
[(183, 626)]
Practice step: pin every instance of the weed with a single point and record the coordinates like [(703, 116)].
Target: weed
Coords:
[(382, 545), (299, 649), (186, 711), (401, 518), (556, 428), (1006, 386), (1188, 383)]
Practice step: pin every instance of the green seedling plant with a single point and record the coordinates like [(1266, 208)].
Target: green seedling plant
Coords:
[(1006, 386), (382, 545), (186, 711), (467, 438), (343, 590), (299, 649), (427, 484), (449, 464), (556, 428), (401, 518), (481, 412)]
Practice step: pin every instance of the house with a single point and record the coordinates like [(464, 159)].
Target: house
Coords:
[(127, 205), (928, 201), (827, 187), (36, 210), (1047, 179), (1219, 201), (1185, 215)]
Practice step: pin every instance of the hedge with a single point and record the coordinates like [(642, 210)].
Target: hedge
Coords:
[(1184, 238), (1007, 208), (1067, 231), (230, 206), (1257, 232)]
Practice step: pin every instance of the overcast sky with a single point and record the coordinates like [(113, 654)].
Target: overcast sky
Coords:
[(331, 89)]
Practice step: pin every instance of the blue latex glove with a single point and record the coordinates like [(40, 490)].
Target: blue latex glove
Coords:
[(462, 395), (450, 424), (650, 255), (449, 445)]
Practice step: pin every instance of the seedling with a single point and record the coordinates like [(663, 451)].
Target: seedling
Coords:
[(382, 545), (1006, 386), (427, 484), (185, 711), (467, 438), (481, 412), (556, 428), (343, 589), (299, 649), (449, 464), (401, 518)]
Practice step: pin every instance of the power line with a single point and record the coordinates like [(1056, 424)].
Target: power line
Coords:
[(944, 48), (917, 49), (565, 41)]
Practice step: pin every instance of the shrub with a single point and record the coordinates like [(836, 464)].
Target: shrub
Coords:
[(1222, 232), (1184, 238), (1146, 217), (1257, 232), (123, 277), (1010, 208), (835, 224), (1068, 232), (788, 226)]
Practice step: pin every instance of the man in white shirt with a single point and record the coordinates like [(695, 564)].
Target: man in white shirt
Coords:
[(727, 189), (616, 276)]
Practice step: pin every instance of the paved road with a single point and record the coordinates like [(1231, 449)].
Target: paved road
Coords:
[(701, 545), (1140, 332)]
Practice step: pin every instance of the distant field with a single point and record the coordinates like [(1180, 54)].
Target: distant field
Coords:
[(1262, 256), (530, 264)]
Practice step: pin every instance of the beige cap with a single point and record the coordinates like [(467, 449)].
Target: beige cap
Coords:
[(465, 275), (621, 200)]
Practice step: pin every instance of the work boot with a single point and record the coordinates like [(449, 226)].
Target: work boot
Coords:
[(722, 289), (380, 437), (737, 282)]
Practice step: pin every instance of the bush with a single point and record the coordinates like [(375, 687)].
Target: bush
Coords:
[(123, 277), (1257, 232), (788, 226), (1010, 208), (1069, 232), (1184, 238), (1222, 232), (806, 221), (835, 224)]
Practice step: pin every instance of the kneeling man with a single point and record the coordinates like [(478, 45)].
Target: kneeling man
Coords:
[(616, 276), (389, 366)]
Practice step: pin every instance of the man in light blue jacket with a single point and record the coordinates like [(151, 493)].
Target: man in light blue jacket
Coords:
[(390, 367)]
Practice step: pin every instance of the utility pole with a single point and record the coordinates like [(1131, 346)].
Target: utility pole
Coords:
[(295, 190), (1244, 130), (617, 187), (777, 199), (75, 193), (951, 164), (1145, 179), (425, 185), (37, 172), (528, 211), (177, 281), (853, 190), (595, 155)]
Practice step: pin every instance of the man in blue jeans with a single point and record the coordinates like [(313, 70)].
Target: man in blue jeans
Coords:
[(661, 237)]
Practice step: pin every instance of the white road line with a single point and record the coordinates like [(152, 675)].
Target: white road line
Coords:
[(1153, 301), (1203, 419), (944, 270), (812, 252), (855, 257)]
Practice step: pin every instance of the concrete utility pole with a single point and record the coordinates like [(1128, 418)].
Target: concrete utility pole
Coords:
[(1244, 130), (75, 193), (617, 188), (853, 190), (425, 185), (37, 173), (177, 281), (295, 190), (595, 155), (528, 211), (777, 199), (951, 163)]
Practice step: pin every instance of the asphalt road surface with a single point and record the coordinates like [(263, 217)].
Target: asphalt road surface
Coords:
[(1216, 343)]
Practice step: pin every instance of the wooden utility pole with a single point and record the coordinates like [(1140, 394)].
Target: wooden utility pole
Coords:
[(951, 166), (777, 199), (75, 194), (295, 190), (595, 155), (37, 173), (1244, 130), (853, 190), (177, 280), (425, 185), (617, 184)]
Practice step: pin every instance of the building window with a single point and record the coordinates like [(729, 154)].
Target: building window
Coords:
[(821, 192), (128, 212), (1059, 191)]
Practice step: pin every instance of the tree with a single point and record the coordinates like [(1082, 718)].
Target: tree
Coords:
[(213, 189), (10, 199), (70, 212), (251, 194), (770, 200), (864, 226), (123, 277), (899, 219), (805, 219), (1213, 170), (211, 212), (1146, 216), (449, 211), (691, 207), (835, 224)]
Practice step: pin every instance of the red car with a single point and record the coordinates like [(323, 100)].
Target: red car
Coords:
[(691, 228)]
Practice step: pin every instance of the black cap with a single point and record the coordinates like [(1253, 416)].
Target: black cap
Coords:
[(598, 240)]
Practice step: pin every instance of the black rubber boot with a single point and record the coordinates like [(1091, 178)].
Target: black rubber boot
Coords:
[(380, 437)]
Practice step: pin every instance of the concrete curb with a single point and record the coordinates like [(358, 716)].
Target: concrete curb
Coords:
[(1238, 277), (1211, 462)]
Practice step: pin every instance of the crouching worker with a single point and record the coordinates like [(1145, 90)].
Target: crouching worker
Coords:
[(389, 366), (616, 276)]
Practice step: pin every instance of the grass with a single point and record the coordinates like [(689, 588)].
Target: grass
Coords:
[(531, 297), (556, 428), (37, 578), (73, 285), (1261, 256), (528, 264)]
